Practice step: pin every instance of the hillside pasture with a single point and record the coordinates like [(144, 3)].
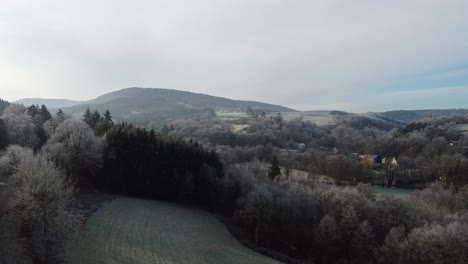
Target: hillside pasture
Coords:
[(463, 128), (321, 118), (144, 231), (393, 191)]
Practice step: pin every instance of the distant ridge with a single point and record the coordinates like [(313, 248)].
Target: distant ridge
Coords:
[(414, 115), (156, 106), (50, 103)]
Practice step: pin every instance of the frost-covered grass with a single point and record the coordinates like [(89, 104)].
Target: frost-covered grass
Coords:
[(143, 231), (320, 118), (393, 191)]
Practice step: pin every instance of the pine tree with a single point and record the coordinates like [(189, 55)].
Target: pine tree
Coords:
[(274, 169), (165, 130), (108, 117), (95, 118), (45, 114), (33, 110), (87, 117), (60, 115), (3, 135)]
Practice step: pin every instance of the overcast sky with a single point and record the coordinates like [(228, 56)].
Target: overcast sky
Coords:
[(360, 55)]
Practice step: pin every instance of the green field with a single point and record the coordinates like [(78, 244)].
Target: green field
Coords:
[(143, 231)]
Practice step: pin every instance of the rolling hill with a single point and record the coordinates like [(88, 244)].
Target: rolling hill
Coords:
[(154, 106)]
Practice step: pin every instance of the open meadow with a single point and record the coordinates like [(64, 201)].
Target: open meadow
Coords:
[(144, 231), (321, 118)]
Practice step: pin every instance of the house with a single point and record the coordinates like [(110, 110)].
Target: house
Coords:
[(373, 159), (390, 161), (301, 148)]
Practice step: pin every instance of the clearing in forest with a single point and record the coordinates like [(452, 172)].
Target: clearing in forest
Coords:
[(144, 231)]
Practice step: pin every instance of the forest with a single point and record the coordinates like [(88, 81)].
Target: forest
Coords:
[(245, 176)]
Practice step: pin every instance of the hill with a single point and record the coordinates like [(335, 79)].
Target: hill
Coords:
[(50, 103), (144, 231), (409, 116), (154, 106)]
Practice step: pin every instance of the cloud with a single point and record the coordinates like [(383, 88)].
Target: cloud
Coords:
[(296, 53), (430, 92)]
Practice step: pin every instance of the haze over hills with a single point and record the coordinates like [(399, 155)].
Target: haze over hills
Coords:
[(51, 103), (408, 116), (154, 106)]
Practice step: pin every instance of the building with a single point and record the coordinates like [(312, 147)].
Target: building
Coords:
[(390, 161), (372, 159)]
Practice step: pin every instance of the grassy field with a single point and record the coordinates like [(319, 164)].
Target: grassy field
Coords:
[(392, 191), (321, 118), (143, 231)]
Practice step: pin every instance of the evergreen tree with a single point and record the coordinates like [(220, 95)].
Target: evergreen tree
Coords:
[(105, 124), (95, 118), (3, 135), (45, 114), (3, 105), (146, 164), (87, 117), (108, 117), (60, 115), (34, 110), (274, 169), (165, 130)]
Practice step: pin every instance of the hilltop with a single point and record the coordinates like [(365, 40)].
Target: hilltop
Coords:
[(155, 106)]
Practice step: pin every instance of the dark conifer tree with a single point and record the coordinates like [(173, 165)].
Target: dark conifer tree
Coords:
[(165, 130), (3, 135), (3, 105), (60, 115), (274, 169), (87, 117), (95, 119), (147, 164), (45, 114)]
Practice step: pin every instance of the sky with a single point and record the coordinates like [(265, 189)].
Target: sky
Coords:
[(360, 55)]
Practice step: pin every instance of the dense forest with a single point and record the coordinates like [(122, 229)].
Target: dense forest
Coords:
[(244, 170)]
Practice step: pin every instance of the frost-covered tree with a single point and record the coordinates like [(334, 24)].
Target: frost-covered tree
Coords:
[(390, 250), (43, 199), (75, 148), (436, 244), (51, 125), (20, 126), (364, 240)]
